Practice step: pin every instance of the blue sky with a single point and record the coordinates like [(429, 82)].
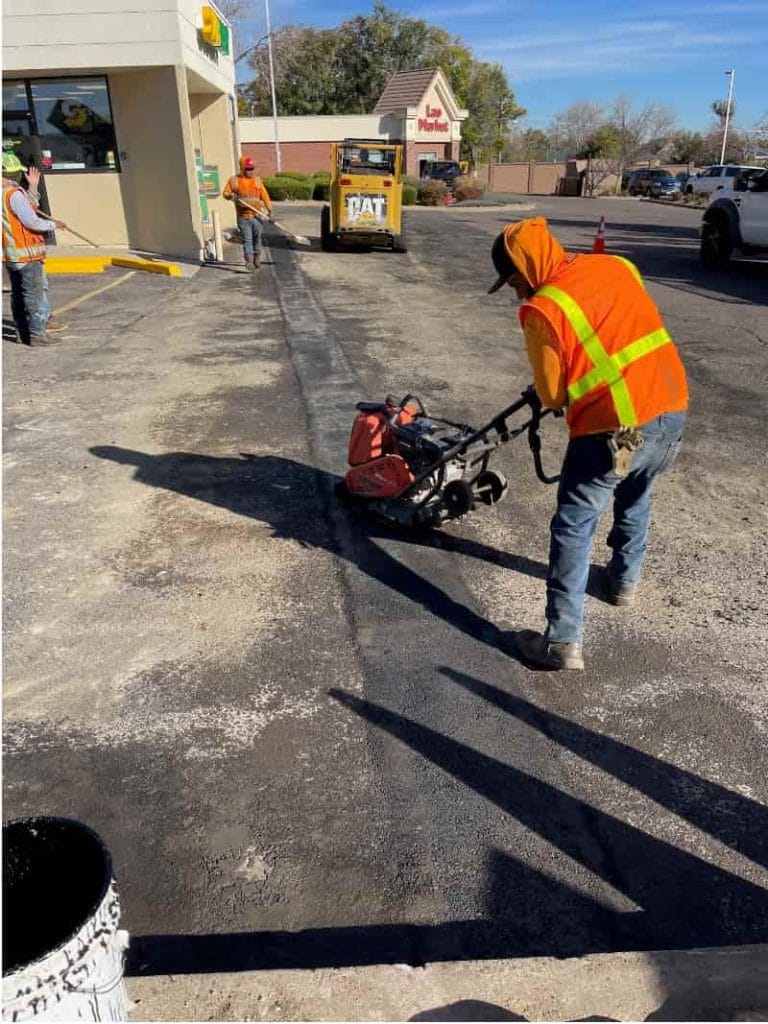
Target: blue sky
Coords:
[(561, 51)]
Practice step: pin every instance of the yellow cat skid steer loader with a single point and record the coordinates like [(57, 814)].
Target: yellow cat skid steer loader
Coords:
[(366, 196)]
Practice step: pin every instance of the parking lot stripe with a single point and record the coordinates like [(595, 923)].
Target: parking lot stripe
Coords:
[(97, 291)]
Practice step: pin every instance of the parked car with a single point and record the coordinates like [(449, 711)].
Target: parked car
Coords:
[(441, 170), (716, 177), (626, 174), (653, 181), (736, 221)]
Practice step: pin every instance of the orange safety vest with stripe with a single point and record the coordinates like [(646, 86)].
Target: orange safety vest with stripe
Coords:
[(621, 367), (251, 190), (20, 245)]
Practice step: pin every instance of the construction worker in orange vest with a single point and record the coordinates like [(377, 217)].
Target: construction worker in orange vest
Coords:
[(246, 187), (599, 350), (24, 254)]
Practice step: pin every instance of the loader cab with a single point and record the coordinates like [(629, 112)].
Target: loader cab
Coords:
[(365, 196)]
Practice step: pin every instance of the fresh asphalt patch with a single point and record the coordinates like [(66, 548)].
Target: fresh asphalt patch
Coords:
[(295, 729)]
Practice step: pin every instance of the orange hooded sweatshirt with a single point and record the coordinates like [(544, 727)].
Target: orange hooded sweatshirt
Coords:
[(538, 255), (654, 380)]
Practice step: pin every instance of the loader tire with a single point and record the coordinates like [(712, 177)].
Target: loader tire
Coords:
[(716, 242), (328, 241), (400, 242)]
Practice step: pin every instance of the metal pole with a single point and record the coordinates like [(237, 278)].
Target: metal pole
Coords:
[(217, 243), (732, 75), (272, 86)]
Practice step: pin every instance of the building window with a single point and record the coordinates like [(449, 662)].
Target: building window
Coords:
[(17, 117), (69, 120)]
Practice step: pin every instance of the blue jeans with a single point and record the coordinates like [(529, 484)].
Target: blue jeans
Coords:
[(250, 229), (29, 298), (587, 484)]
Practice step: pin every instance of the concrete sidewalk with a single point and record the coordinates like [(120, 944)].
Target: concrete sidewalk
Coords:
[(710, 984)]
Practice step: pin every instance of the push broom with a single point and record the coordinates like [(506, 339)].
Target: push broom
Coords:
[(298, 239)]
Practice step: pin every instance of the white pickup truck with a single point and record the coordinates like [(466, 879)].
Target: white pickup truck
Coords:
[(716, 177), (736, 222)]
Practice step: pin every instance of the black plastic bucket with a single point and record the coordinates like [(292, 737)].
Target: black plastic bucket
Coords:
[(62, 950)]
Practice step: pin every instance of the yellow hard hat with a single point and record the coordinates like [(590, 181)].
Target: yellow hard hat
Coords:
[(12, 164)]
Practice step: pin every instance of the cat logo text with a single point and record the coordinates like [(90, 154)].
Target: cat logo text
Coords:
[(366, 209)]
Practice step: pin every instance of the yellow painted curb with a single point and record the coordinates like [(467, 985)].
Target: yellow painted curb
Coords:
[(153, 266), (77, 264)]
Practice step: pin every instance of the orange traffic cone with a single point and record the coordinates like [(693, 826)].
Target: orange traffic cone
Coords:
[(599, 243)]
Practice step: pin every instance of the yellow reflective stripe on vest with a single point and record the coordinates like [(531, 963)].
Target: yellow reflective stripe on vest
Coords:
[(605, 371), (637, 349), (632, 268)]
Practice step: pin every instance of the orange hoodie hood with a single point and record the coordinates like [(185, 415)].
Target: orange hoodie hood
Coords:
[(534, 251)]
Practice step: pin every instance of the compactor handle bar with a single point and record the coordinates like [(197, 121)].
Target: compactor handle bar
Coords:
[(499, 424)]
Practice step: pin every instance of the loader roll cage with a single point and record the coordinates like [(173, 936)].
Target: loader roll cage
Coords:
[(360, 156)]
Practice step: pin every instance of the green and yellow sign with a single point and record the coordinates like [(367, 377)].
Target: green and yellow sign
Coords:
[(215, 30)]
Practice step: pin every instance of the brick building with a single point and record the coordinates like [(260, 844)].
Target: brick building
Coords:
[(417, 109)]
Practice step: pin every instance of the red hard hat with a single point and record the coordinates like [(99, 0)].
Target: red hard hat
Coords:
[(246, 163)]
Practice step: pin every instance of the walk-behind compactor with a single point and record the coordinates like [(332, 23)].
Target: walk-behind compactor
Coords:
[(416, 470)]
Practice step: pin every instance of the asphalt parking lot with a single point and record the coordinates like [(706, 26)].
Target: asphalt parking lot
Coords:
[(295, 730)]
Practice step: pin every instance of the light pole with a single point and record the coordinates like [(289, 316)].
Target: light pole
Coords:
[(272, 87), (731, 74)]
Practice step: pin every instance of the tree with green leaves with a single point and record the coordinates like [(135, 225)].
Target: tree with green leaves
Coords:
[(527, 145), (345, 69), (600, 149), (492, 110)]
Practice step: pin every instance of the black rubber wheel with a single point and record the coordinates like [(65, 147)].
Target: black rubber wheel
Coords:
[(490, 487), (328, 241), (400, 242), (716, 243), (458, 498)]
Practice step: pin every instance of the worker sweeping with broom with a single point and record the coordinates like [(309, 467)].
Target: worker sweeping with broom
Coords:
[(252, 203), (24, 254)]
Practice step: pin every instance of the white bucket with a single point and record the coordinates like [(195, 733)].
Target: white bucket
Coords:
[(62, 950)]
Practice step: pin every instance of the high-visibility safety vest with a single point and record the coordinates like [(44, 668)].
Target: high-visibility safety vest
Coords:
[(20, 245), (622, 369), (250, 190)]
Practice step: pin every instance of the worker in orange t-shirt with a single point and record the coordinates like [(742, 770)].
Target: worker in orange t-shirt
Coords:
[(599, 350), (250, 195)]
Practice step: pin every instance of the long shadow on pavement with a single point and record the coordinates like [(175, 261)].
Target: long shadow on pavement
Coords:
[(678, 900), (733, 819), (681, 900), (275, 490)]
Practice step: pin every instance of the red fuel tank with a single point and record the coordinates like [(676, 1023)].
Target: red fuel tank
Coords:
[(380, 478), (366, 441)]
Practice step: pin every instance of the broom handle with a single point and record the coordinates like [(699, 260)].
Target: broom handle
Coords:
[(77, 234)]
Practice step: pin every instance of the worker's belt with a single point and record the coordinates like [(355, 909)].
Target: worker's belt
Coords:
[(607, 369)]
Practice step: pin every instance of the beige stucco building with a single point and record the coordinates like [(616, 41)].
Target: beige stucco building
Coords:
[(130, 111), (417, 109)]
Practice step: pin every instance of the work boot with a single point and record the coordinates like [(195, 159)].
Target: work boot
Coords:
[(256, 260), (55, 326), (249, 264), (621, 594), (39, 340), (536, 650)]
